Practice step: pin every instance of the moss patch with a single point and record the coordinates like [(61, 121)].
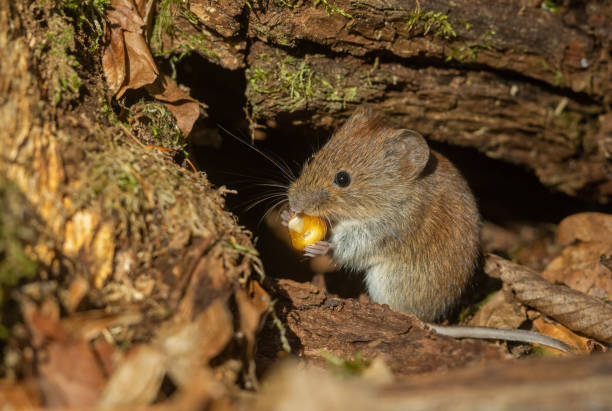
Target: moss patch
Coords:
[(329, 8), (168, 11), (89, 17), (293, 83), (469, 52), (16, 231), (58, 62), (156, 125), (430, 21), (349, 366)]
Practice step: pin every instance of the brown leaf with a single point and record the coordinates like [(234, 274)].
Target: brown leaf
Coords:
[(127, 61), (250, 312), (125, 14), (185, 109), (190, 346), (499, 313), (580, 344), (577, 311), (89, 324), (21, 396), (70, 371), (579, 267), (71, 374), (137, 380), (142, 69), (113, 60), (595, 227)]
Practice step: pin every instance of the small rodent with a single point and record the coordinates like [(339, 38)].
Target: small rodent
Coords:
[(402, 214)]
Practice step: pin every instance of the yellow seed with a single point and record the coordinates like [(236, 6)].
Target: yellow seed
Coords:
[(305, 230)]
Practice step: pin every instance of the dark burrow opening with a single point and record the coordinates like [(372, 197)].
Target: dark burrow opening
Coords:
[(508, 195)]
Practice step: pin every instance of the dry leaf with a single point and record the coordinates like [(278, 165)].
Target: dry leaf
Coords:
[(585, 227), (580, 344), (89, 324), (128, 64), (127, 61), (579, 266), (71, 372), (113, 60), (190, 346), (499, 313), (142, 69), (125, 14), (577, 311), (185, 109), (77, 289), (137, 380), (24, 395)]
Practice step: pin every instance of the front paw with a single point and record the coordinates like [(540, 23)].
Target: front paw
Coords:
[(285, 217), (317, 249)]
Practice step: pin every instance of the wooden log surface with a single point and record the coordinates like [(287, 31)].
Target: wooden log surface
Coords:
[(317, 325), (543, 384), (524, 82)]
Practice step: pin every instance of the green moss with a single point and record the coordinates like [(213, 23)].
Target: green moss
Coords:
[(287, 75), (185, 43), (550, 5), (157, 125), (293, 83), (429, 21), (331, 9), (351, 366), (325, 3), (89, 16), (244, 249), (59, 61), (469, 52), (289, 4), (558, 79), (16, 230)]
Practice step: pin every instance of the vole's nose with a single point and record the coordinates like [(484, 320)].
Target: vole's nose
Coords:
[(305, 202)]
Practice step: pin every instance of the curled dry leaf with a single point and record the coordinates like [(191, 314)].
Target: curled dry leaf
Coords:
[(580, 264), (90, 324), (113, 60), (496, 312), (127, 61), (24, 395), (128, 64), (585, 227), (137, 380), (71, 371), (577, 311), (580, 344), (185, 109), (190, 346)]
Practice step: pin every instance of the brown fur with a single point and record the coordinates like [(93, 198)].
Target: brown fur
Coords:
[(407, 219)]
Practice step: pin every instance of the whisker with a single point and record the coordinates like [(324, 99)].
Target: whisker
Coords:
[(268, 197), (251, 178), (278, 203), (287, 173)]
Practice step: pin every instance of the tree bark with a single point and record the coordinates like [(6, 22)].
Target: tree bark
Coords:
[(519, 82), (318, 325)]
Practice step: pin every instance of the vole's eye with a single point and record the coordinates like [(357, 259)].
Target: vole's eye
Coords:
[(342, 179)]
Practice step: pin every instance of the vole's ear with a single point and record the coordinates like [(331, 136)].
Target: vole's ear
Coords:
[(360, 116), (413, 152)]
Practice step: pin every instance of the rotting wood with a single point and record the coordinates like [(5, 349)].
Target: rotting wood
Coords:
[(521, 83), (317, 324)]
